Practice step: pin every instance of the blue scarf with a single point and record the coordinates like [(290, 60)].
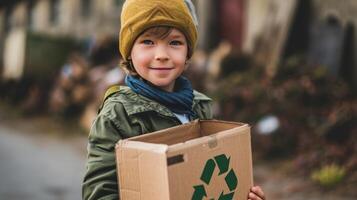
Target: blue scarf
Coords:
[(180, 101)]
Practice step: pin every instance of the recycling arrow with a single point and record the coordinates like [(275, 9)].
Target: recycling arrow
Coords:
[(231, 180), (226, 196), (222, 161), (208, 171), (199, 193)]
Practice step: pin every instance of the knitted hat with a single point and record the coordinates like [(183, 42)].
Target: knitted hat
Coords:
[(139, 15)]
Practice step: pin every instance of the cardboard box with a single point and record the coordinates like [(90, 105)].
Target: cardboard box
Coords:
[(205, 159)]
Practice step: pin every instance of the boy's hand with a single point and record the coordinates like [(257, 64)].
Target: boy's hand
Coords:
[(256, 193)]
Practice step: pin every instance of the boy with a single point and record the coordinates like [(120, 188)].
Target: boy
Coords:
[(157, 37)]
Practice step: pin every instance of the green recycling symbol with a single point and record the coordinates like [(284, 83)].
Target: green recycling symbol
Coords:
[(230, 177)]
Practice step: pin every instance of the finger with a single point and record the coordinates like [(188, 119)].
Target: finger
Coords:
[(253, 196), (257, 190)]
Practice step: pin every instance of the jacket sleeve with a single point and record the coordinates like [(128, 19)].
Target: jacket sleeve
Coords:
[(100, 180), (208, 110), (204, 109)]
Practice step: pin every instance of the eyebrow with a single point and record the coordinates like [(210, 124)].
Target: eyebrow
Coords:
[(173, 36), (176, 36), (170, 35), (146, 35)]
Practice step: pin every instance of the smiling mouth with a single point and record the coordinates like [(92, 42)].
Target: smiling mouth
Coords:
[(161, 68)]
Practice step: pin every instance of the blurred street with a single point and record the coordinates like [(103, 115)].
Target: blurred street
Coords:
[(37, 164)]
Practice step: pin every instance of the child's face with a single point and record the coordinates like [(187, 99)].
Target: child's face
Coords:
[(160, 60)]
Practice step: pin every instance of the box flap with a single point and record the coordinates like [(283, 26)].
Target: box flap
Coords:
[(136, 159), (171, 135), (210, 134)]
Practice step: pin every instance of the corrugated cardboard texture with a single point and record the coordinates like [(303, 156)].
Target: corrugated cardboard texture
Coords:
[(144, 170), (169, 164)]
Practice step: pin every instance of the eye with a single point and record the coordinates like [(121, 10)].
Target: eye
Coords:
[(176, 42), (147, 42)]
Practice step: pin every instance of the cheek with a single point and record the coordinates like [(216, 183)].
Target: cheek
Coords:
[(180, 59), (180, 56), (139, 58)]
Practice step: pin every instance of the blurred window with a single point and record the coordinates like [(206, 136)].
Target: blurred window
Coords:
[(30, 13), (7, 26), (54, 11), (86, 6)]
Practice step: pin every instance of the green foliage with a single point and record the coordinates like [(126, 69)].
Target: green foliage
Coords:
[(329, 175)]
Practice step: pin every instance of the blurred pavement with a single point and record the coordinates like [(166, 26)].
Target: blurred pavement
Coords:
[(39, 166)]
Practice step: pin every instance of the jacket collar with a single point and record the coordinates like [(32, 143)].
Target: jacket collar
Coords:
[(134, 103)]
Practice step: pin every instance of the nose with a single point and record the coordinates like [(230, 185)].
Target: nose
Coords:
[(161, 53)]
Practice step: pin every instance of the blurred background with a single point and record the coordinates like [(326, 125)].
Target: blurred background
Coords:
[(286, 67)]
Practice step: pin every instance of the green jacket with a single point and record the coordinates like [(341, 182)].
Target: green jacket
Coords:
[(125, 114)]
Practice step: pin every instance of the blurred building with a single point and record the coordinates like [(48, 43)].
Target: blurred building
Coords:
[(270, 30), (334, 38), (78, 19)]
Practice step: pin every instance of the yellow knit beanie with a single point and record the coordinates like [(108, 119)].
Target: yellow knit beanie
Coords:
[(139, 15)]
